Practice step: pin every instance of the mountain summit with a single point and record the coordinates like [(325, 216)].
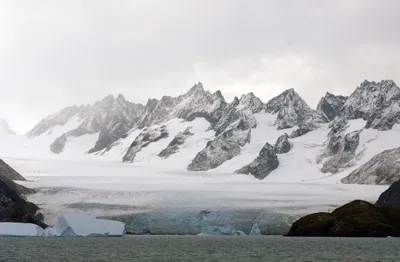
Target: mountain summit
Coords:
[(200, 131)]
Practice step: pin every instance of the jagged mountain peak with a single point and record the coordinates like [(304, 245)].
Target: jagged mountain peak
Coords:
[(121, 97), (235, 101), (384, 82), (329, 107), (375, 102), (291, 110), (197, 88), (286, 98), (386, 89), (250, 101), (218, 94)]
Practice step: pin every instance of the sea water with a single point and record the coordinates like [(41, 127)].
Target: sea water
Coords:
[(199, 248)]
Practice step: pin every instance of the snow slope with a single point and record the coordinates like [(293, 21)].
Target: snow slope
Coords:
[(102, 188), (101, 185)]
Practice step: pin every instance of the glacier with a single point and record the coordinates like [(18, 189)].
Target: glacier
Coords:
[(102, 186)]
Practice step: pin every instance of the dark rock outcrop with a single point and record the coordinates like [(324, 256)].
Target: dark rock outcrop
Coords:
[(391, 197), (9, 173), (263, 165), (146, 137), (224, 147), (355, 219), (282, 145), (234, 112), (302, 130), (173, 146), (58, 145), (329, 107), (382, 169), (340, 151), (13, 207)]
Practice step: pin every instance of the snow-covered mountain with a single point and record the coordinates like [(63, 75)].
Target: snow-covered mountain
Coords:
[(109, 119), (377, 103), (5, 128), (282, 139)]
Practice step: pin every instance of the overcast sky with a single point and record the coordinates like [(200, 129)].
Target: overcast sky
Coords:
[(56, 53)]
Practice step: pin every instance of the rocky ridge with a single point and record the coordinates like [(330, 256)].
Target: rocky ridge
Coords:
[(340, 151), (174, 145), (382, 169), (330, 106), (233, 123), (13, 206), (146, 137)]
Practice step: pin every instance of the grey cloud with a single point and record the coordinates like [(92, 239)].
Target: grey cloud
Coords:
[(57, 53)]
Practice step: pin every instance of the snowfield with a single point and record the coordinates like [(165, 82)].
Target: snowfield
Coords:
[(101, 185)]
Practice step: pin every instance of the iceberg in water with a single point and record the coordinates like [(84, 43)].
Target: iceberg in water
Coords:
[(68, 225), (20, 229)]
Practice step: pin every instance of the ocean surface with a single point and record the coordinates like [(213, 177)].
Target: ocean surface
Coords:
[(199, 248)]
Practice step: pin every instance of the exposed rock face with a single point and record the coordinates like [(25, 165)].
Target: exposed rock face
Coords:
[(158, 111), (383, 169), (200, 103), (263, 165), (250, 102), (13, 207), (232, 130), (224, 147), (341, 148), (145, 138), (282, 145), (377, 103), (355, 219), (236, 110), (9, 173), (173, 146), (291, 110), (330, 106), (339, 143), (391, 197), (195, 103), (302, 130), (111, 117), (58, 145)]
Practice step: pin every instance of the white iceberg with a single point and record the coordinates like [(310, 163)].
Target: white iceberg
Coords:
[(84, 226), (68, 225), (20, 229)]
